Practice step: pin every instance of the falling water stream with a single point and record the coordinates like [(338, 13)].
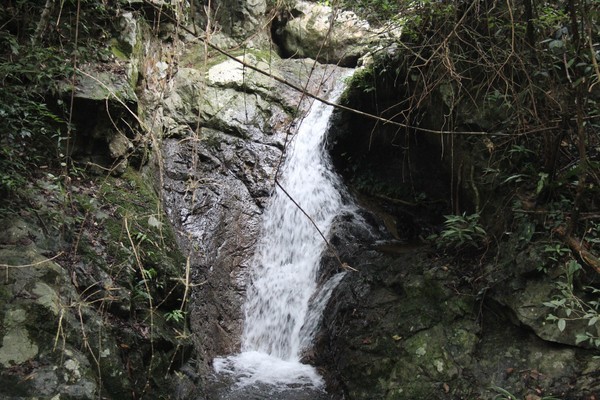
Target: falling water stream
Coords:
[(284, 302)]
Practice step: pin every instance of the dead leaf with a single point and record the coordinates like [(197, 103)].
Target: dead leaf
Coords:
[(446, 387), (535, 374)]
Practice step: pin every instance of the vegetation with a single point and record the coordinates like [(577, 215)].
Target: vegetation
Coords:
[(39, 55), (461, 231), (509, 93), (105, 229), (504, 394)]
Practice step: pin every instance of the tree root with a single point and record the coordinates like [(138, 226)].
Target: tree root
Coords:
[(577, 247)]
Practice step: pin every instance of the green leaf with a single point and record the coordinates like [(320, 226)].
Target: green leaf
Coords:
[(580, 338), (541, 182), (562, 324), (568, 311), (556, 44)]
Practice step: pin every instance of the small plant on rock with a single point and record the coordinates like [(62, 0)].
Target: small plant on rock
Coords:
[(570, 306), (175, 315), (460, 232)]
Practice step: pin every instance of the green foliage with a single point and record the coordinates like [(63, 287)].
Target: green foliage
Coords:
[(177, 316), (461, 231), (503, 394), (37, 61), (524, 227), (31, 131), (556, 251), (36, 55), (375, 11), (31, 135), (568, 306)]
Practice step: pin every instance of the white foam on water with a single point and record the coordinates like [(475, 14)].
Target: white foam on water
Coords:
[(251, 367)]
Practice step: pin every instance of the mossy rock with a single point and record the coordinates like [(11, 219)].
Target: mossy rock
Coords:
[(431, 358)]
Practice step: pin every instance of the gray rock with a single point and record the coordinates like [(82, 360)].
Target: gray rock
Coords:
[(119, 146), (128, 35), (100, 82), (35, 311), (238, 18), (15, 230), (17, 347), (329, 35)]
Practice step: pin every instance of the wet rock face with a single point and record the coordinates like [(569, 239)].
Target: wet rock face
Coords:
[(396, 330), (226, 131)]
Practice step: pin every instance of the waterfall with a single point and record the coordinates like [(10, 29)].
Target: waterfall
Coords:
[(284, 302)]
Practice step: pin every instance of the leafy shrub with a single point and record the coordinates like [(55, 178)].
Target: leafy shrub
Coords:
[(461, 232), (30, 136), (30, 71), (574, 304)]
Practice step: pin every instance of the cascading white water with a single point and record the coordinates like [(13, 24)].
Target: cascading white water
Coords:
[(284, 303)]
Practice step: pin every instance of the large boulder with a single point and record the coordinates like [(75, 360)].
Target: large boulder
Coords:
[(328, 35)]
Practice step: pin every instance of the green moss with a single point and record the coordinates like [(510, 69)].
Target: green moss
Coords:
[(360, 83), (267, 55), (137, 229), (194, 56), (117, 51)]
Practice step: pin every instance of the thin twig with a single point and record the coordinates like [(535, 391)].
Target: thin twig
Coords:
[(35, 264), (329, 246)]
